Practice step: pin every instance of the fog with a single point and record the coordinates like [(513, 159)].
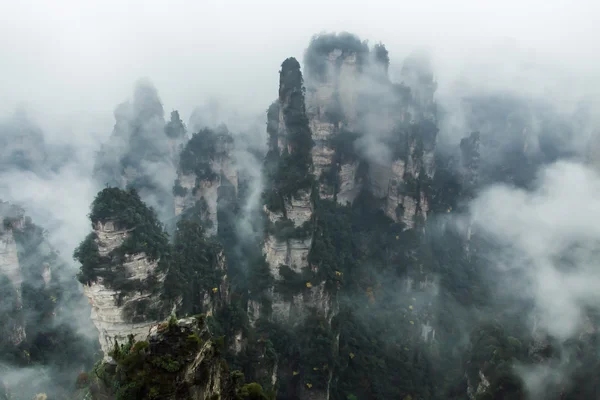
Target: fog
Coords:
[(74, 61), (66, 65)]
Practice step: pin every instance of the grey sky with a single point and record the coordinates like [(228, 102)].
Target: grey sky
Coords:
[(74, 61), (81, 58)]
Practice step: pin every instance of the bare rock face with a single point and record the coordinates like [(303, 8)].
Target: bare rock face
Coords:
[(108, 305), (9, 260), (291, 252), (349, 185), (350, 95), (335, 93), (297, 308), (367, 134)]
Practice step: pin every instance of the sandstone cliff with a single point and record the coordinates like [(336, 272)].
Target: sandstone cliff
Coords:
[(366, 134), (133, 277), (109, 306), (359, 118)]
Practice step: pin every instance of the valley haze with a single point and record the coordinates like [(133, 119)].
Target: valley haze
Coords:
[(490, 237)]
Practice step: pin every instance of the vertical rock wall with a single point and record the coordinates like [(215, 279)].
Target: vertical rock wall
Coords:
[(107, 312)]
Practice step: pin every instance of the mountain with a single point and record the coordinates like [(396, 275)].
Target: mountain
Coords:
[(361, 272), (42, 346), (366, 252), (348, 181)]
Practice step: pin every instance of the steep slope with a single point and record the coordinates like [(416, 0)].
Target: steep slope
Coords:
[(289, 203), (368, 130), (10, 269), (325, 179), (134, 277), (36, 306), (123, 266)]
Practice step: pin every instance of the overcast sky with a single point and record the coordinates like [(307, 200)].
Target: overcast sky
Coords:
[(70, 58)]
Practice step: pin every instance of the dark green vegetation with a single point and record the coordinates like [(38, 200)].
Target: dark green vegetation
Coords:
[(37, 309), (197, 154), (180, 361), (197, 267)]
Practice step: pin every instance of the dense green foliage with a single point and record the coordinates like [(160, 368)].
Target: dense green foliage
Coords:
[(199, 213), (197, 154), (155, 369), (291, 95), (194, 271)]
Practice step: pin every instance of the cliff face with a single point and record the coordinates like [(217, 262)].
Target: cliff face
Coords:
[(206, 172), (327, 97), (291, 205), (347, 291), (357, 115), (109, 305), (37, 299), (349, 147), (133, 277), (12, 218), (124, 266), (368, 137)]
